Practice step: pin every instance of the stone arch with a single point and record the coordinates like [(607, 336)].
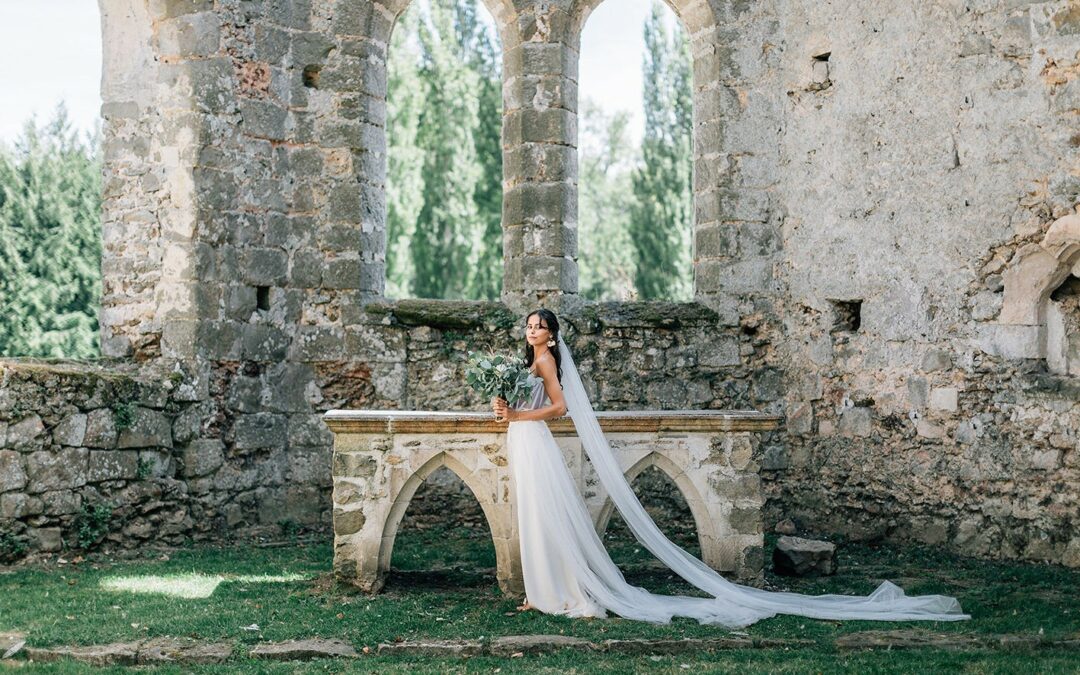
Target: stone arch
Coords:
[(1033, 274), (501, 10), (686, 487), (500, 528)]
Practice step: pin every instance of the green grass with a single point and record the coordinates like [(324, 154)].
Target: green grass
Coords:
[(445, 589)]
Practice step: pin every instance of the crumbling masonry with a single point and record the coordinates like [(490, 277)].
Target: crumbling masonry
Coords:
[(885, 253)]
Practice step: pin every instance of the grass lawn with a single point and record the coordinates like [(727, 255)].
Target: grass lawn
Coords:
[(444, 589)]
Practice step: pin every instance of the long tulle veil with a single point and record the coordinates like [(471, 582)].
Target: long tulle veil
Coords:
[(737, 604)]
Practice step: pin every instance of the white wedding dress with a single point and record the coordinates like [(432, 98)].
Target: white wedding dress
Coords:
[(567, 570)]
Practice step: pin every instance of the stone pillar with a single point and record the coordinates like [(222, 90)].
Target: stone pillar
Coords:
[(540, 160)]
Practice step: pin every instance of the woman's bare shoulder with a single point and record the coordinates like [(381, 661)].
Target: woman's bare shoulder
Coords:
[(545, 363)]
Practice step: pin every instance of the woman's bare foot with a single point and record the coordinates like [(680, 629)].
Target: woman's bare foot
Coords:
[(525, 606)]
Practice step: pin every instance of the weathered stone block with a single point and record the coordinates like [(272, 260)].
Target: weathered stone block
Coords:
[(265, 343), (317, 343), (795, 556), (60, 502), (309, 430), (197, 34), (202, 457), (112, 465), (348, 522), (944, 398), (263, 119), (341, 272), (150, 428), (12, 474), (264, 266), (261, 430), (46, 539), (25, 433), (857, 421), (56, 470), (71, 430), (354, 465)]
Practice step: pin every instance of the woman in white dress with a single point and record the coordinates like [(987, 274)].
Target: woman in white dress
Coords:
[(565, 566)]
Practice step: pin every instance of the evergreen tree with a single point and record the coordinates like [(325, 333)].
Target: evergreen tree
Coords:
[(605, 251), (405, 159), (445, 166), (662, 213), (50, 242), (442, 251), (482, 56)]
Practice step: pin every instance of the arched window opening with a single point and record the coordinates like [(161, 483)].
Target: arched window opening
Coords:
[(444, 536), (50, 180), (444, 173), (635, 158)]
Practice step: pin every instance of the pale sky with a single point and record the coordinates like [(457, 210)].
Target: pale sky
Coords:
[(50, 50)]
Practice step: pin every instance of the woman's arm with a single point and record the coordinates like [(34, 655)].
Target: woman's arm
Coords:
[(546, 368)]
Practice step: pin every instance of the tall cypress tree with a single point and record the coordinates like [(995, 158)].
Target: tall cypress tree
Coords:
[(482, 56), (405, 158), (445, 168), (605, 251), (441, 249), (662, 213), (50, 242)]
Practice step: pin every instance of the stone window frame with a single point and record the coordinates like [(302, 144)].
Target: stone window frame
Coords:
[(1033, 274), (540, 51)]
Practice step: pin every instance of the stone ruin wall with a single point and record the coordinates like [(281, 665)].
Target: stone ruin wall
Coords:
[(865, 179)]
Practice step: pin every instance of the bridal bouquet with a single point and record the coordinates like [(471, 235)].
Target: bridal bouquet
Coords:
[(496, 375)]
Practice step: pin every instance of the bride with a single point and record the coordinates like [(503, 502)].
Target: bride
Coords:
[(566, 568)]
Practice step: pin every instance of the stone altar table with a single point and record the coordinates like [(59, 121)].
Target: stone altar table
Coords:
[(381, 458)]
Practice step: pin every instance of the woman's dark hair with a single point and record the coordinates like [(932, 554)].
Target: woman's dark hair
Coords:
[(551, 322)]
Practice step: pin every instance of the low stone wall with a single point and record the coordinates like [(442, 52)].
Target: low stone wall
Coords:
[(116, 455)]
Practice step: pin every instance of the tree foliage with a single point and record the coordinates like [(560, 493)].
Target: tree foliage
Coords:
[(662, 212), (444, 179), (50, 242), (607, 157)]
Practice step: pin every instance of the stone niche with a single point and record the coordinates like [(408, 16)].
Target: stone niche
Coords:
[(382, 457), (1039, 314)]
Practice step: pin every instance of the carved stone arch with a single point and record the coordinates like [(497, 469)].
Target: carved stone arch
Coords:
[(1035, 272), (502, 11), (695, 15), (501, 528), (686, 487)]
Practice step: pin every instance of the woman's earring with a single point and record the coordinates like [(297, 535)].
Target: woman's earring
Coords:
[(551, 343)]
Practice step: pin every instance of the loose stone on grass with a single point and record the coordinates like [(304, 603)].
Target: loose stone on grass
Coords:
[(675, 646), (174, 650), (11, 644), (434, 648), (922, 639), (297, 650), (113, 654), (795, 556), (509, 645)]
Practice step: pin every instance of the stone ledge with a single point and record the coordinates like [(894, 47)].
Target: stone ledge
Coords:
[(418, 421), (444, 313)]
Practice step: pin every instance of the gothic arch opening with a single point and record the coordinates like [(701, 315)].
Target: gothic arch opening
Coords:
[(465, 539), (671, 501), (443, 532)]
